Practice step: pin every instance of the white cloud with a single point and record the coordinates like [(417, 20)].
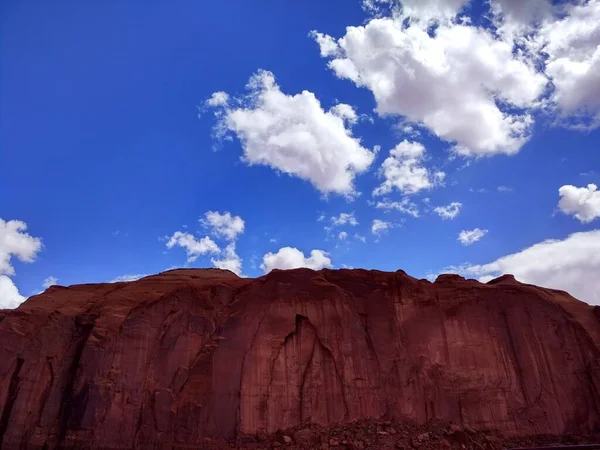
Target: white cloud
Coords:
[(229, 260), (468, 237), (14, 241), (130, 277), (343, 219), (479, 191), (403, 170), (194, 247), (515, 18), (371, 6), (572, 46), (342, 236), (292, 258), (420, 11), (345, 112), (460, 73), (583, 202), (380, 226), (571, 264), (360, 237), (219, 98), (223, 225), (327, 44), (427, 10), (449, 211), (9, 294), (504, 189), (408, 130), (295, 135), (446, 81), (404, 206), (50, 281)]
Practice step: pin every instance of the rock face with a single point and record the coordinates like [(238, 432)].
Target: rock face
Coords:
[(168, 360)]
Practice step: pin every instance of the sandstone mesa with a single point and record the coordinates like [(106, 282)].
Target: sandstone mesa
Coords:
[(172, 359)]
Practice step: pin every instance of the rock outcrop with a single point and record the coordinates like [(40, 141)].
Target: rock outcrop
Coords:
[(169, 360)]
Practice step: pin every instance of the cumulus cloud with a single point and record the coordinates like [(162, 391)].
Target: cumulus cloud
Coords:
[(581, 202), (193, 247), (447, 81), (15, 242), (418, 11), (425, 11), (373, 7), (50, 281), (345, 112), (292, 258), (468, 237), (515, 18), (342, 236), (128, 278), (293, 134), (456, 73), (223, 225), (572, 48), (327, 44), (571, 264), (403, 170), (229, 260), (380, 226), (219, 98), (344, 219), (360, 237), (449, 211), (404, 206), (10, 297)]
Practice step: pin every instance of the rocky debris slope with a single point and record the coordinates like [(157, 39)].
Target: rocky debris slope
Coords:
[(173, 359), (388, 435)]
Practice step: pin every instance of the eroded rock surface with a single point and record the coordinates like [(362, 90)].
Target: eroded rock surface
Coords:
[(170, 360)]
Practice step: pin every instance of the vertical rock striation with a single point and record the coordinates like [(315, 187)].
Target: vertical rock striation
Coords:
[(170, 359)]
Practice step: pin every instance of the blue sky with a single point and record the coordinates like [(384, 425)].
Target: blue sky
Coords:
[(110, 145)]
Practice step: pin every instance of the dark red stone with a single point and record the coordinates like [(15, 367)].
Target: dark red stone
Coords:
[(172, 359)]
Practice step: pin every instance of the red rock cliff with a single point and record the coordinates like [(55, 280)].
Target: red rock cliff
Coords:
[(186, 354)]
